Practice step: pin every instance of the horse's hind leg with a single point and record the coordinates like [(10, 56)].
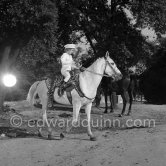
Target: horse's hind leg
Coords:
[(98, 98), (124, 97), (106, 104), (131, 101), (88, 112), (111, 103), (44, 101), (32, 102)]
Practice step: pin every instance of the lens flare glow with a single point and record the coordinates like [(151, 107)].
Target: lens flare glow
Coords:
[(9, 80)]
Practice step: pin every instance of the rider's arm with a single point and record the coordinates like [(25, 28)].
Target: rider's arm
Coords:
[(66, 60), (73, 65)]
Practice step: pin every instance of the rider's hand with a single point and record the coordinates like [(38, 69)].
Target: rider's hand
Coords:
[(81, 69), (78, 64), (74, 65)]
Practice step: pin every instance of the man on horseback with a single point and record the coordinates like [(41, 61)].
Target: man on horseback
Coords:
[(68, 64)]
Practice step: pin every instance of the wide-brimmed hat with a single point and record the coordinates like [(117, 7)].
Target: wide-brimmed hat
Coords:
[(70, 46)]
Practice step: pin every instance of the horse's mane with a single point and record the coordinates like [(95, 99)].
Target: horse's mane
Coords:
[(89, 61)]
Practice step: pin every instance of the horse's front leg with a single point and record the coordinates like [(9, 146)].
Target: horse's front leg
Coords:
[(106, 103), (111, 102), (124, 98), (88, 108), (76, 110), (131, 101)]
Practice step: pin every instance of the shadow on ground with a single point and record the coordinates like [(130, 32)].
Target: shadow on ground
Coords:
[(16, 132)]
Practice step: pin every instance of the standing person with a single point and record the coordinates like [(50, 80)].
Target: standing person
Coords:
[(68, 64)]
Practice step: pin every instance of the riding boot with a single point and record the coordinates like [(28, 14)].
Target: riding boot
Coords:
[(62, 88)]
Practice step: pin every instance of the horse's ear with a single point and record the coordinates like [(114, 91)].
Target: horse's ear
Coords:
[(107, 54), (79, 49)]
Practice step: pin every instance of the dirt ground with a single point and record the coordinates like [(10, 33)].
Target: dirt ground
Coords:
[(137, 144)]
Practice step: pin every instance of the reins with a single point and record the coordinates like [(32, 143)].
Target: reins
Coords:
[(105, 75), (85, 69)]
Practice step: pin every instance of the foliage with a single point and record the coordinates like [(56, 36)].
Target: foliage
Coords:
[(107, 27), (29, 26), (140, 68), (21, 20), (153, 80), (39, 53), (151, 14), (40, 29)]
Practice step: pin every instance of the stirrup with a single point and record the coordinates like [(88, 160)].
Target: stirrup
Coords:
[(50, 104), (60, 91)]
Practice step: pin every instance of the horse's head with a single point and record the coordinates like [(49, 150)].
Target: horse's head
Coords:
[(111, 68)]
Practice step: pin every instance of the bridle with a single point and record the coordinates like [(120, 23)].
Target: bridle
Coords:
[(106, 63), (102, 75)]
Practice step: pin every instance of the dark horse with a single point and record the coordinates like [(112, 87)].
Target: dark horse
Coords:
[(125, 87)]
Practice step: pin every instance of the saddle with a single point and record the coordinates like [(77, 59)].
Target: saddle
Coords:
[(73, 83)]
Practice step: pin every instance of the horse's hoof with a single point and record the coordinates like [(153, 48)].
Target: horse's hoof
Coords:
[(93, 138), (120, 115), (68, 129), (98, 108), (105, 112), (39, 133), (50, 137), (62, 135), (128, 114)]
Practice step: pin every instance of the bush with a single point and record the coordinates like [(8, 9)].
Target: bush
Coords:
[(15, 95), (153, 81)]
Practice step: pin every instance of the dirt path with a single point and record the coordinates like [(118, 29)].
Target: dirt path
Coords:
[(114, 147)]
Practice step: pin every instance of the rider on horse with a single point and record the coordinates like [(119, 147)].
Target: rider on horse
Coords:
[(68, 64)]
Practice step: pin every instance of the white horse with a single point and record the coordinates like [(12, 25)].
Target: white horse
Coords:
[(89, 81), (32, 93)]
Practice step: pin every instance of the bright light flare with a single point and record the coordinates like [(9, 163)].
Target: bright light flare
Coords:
[(9, 80)]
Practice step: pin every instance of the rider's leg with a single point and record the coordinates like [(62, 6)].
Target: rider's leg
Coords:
[(64, 85)]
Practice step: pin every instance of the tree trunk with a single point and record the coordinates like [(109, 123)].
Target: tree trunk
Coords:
[(3, 68), (2, 97)]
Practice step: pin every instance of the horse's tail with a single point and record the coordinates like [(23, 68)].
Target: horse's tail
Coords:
[(32, 91)]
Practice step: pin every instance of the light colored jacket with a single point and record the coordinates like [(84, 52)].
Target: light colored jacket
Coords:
[(67, 62)]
